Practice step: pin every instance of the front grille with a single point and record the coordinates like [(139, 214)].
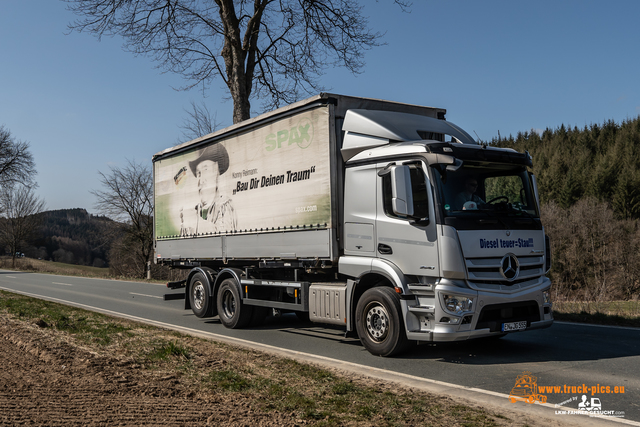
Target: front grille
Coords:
[(484, 273), (493, 316)]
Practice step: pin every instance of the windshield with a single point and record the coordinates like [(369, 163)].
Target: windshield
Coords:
[(491, 190)]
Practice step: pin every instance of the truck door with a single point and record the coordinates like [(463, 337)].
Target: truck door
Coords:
[(409, 243)]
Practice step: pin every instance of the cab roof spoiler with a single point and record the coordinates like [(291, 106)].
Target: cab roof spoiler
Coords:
[(398, 127)]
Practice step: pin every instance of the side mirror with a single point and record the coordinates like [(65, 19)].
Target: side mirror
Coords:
[(401, 192)]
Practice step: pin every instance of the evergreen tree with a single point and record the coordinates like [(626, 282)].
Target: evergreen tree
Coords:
[(600, 161)]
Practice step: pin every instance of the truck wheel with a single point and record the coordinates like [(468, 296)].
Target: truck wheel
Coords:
[(200, 296), (233, 313), (379, 322)]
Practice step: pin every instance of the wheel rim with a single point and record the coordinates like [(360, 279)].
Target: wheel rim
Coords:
[(228, 304), (377, 321), (198, 295)]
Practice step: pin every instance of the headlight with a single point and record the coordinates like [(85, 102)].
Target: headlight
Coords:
[(546, 297), (457, 304)]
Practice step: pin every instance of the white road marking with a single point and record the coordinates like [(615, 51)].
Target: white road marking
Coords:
[(629, 328), (63, 284), (145, 295)]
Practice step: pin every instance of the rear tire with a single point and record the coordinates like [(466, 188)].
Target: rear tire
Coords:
[(379, 322), (231, 310), (200, 296)]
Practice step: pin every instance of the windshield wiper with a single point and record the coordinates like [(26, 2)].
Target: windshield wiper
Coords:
[(513, 209)]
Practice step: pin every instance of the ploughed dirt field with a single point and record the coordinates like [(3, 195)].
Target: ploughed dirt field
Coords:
[(55, 373), (45, 381)]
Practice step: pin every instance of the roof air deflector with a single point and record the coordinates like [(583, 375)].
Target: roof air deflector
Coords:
[(400, 126)]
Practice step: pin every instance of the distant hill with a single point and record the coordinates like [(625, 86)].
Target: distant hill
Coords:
[(73, 236)]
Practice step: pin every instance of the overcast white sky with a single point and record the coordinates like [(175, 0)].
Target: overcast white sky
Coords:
[(505, 66)]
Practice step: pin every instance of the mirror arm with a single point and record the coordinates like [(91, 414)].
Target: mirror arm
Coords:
[(386, 170)]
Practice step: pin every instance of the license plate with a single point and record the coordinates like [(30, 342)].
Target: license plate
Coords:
[(514, 326)]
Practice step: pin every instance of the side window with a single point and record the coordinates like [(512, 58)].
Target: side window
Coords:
[(419, 191), (420, 196), (387, 195)]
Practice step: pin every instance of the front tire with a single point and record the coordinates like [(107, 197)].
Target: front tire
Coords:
[(379, 322), (200, 296), (232, 312)]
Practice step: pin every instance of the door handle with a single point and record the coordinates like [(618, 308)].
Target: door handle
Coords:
[(384, 249)]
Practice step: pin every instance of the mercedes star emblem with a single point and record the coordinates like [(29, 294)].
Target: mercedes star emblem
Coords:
[(509, 267)]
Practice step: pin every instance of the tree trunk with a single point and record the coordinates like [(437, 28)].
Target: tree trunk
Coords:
[(235, 55), (241, 107)]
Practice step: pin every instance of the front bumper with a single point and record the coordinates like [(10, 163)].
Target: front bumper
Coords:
[(491, 310)]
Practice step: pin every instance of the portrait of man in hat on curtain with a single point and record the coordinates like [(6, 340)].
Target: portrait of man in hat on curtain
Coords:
[(214, 212)]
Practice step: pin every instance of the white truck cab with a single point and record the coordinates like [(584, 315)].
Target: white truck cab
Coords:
[(454, 224)]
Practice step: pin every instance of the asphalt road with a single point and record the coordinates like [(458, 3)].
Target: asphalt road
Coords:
[(577, 359)]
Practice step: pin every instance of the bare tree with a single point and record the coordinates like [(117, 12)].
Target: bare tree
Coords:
[(199, 122), (19, 207), (127, 197), (269, 49), (595, 255), (16, 162)]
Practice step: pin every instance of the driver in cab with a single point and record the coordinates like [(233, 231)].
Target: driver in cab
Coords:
[(468, 199)]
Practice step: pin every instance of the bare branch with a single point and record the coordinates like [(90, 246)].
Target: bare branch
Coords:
[(20, 221), (199, 122), (128, 197), (16, 161), (275, 50)]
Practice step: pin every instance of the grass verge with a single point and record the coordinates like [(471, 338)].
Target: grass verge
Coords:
[(52, 267), (614, 313), (270, 384)]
